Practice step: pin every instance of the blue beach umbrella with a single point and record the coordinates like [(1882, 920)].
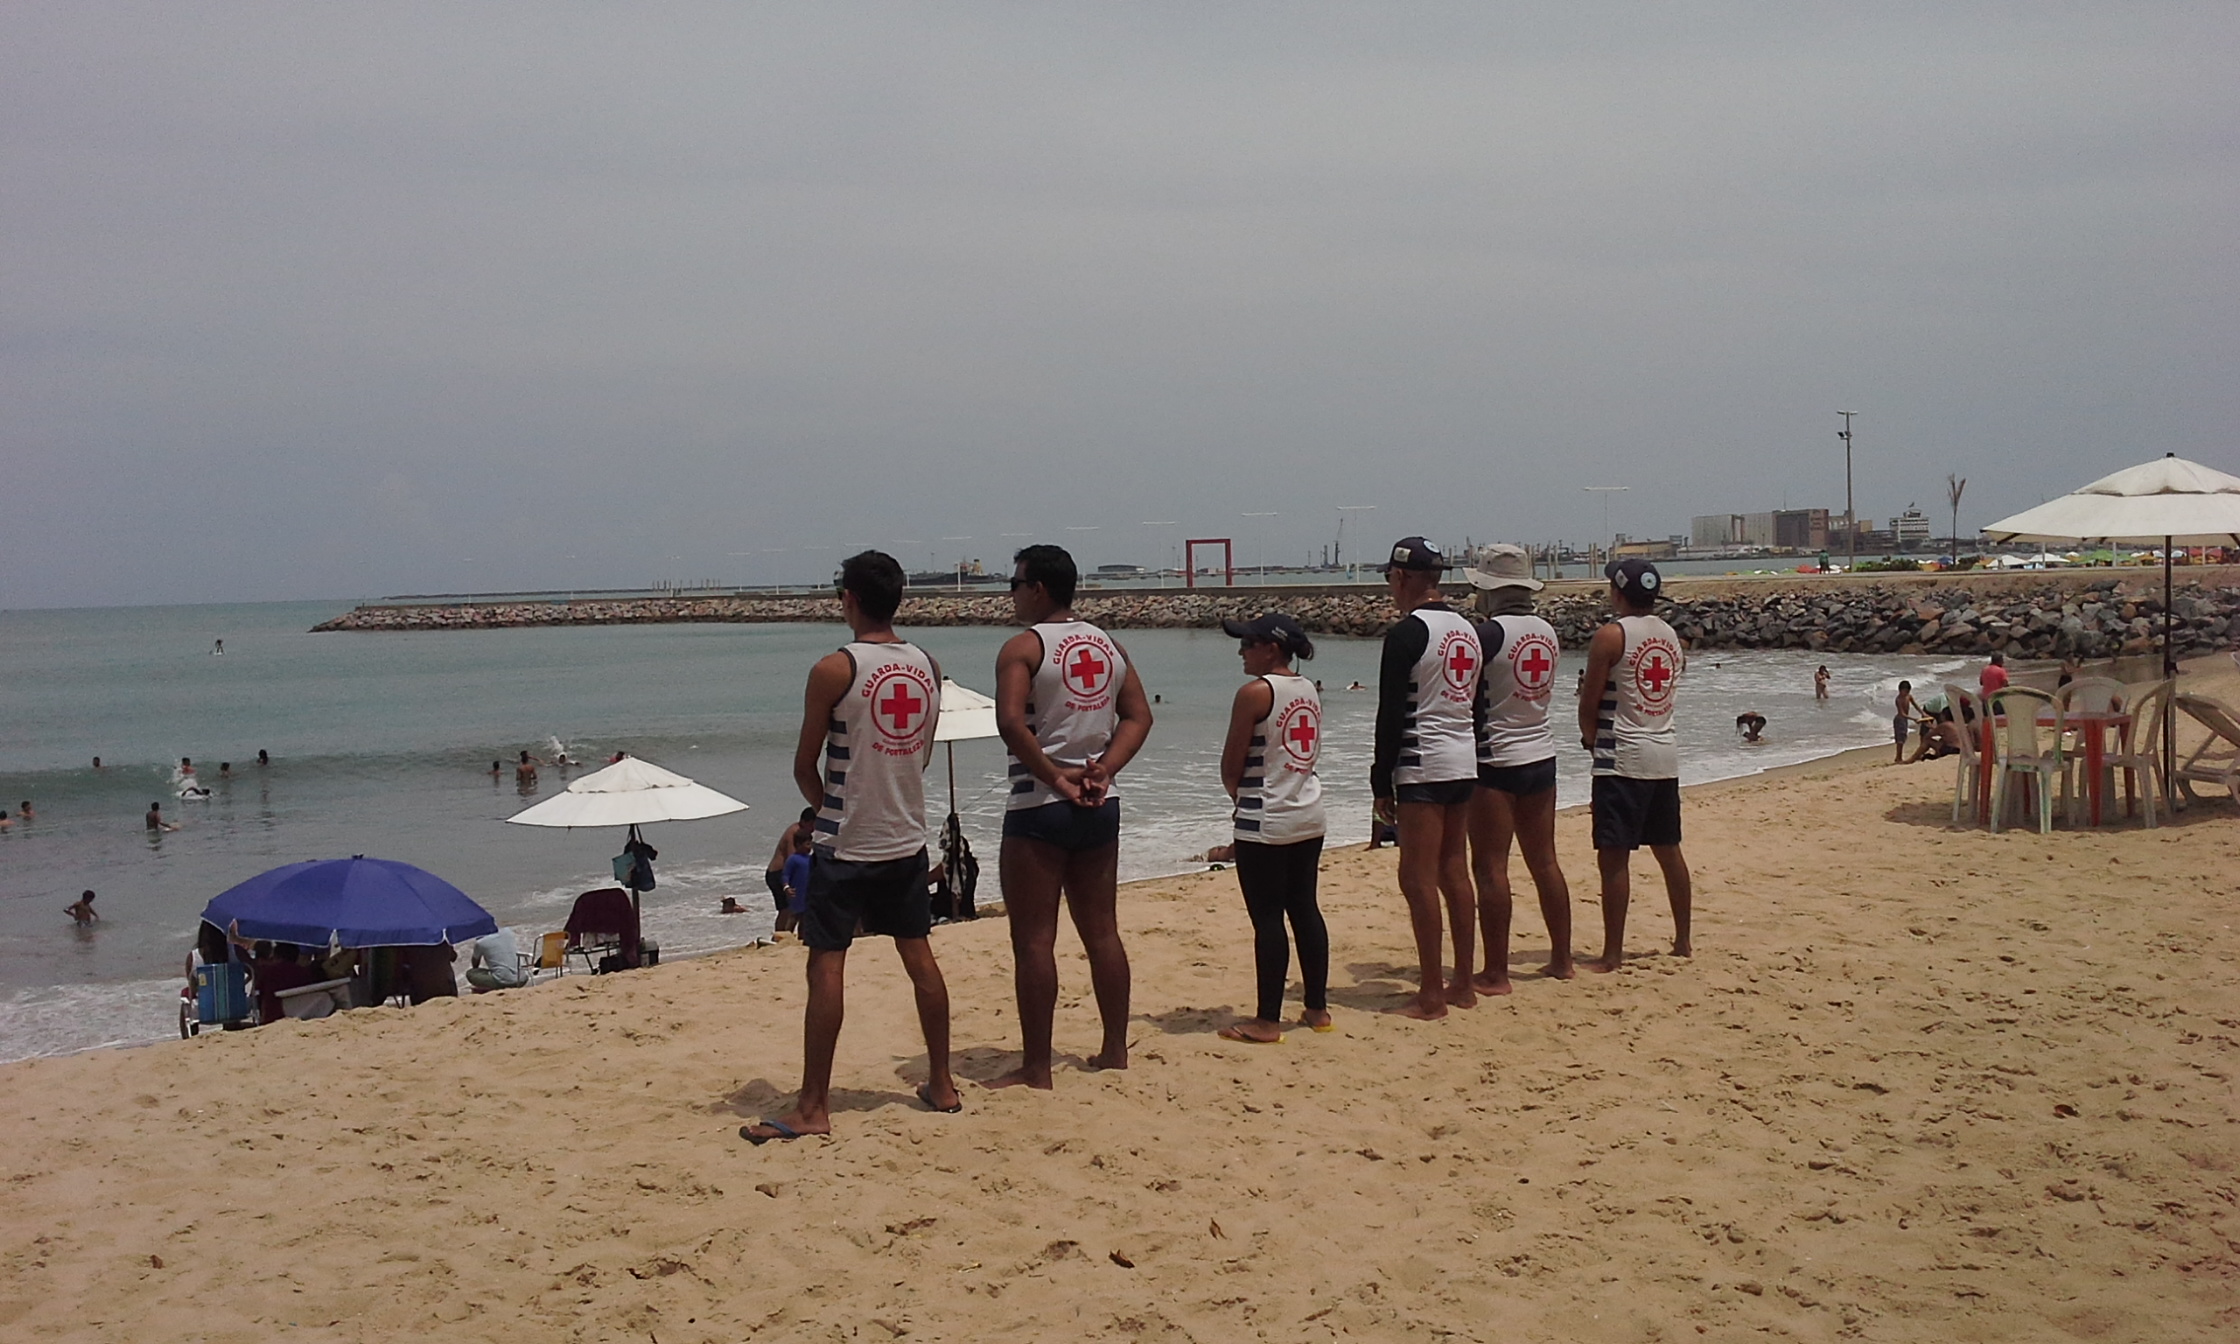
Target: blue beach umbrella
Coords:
[(353, 902)]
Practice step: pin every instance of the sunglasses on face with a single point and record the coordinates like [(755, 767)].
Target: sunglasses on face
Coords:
[(1017, 583)]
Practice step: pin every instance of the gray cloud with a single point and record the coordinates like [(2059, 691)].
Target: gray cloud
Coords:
[(315, 301)]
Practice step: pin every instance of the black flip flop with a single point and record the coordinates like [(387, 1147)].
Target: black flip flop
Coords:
[(925, 1094)]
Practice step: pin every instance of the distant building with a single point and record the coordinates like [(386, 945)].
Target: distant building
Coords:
[(1715, 531), (1911, 527), (1646, 550)]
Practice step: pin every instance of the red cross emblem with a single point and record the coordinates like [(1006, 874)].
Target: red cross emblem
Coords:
[(898, 708), (1300, 730), (1654, 674), (1535, 663), (1086, 671), (1459, 664)]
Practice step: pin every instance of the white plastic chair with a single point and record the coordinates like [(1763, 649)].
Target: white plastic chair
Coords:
[(2139, 753), (2217, 760), (2025, 749), (2085, 695), (1967, 723)]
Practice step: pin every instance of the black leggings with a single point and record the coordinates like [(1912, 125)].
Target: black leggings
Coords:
[(1279, 881)]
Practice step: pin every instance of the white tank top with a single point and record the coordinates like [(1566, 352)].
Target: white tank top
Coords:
[(1633, 733), (1072, 705), (1440, 743), (1279, 800), (1520, 680), (874, 748)]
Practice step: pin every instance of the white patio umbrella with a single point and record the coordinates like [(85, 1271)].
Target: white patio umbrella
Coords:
[(966, 715), (2167, 502), (630, 793)]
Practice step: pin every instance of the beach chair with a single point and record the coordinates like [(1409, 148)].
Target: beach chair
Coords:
[(1967, 721), (2216, 760), (2139, 754), (2025, 748), (604, 923), (552, 955)]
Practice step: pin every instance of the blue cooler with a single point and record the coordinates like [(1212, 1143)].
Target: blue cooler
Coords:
[(221, 993)]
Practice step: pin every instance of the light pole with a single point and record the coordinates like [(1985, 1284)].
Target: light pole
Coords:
[(1337, 549), (1162, 522), (1605, 491), (1850, 523), (1266, 513)]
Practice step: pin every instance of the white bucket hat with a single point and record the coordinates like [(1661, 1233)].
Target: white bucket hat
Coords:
[(1506, 567)]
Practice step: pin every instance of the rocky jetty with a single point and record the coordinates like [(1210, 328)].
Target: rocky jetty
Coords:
[(2087, 614)]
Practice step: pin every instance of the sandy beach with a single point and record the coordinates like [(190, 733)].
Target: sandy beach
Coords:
[(1916, 1084)]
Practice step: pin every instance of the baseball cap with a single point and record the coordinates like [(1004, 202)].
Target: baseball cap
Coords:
[(1635, 577), (1506, 567), (1416, 553), (1270, 628)]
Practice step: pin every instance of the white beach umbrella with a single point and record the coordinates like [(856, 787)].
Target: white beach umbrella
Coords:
[(966, 715), (630, 792), (2167, 502)]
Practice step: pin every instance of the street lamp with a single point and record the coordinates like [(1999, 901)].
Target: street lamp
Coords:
[(1266, 513), (1850, 523), (1337, 548), (1605, 491), (1161, 522)]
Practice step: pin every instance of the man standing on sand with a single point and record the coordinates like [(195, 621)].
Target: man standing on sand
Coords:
[(1072, 712), (1625, 719), (1994, 676), (1426, 767), (869, 714), (782, 891), (1516, 796)]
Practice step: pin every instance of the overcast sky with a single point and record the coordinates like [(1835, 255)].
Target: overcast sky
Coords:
[(346, 300)]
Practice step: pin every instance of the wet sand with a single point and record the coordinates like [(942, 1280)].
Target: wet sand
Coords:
[(1916, 1084)]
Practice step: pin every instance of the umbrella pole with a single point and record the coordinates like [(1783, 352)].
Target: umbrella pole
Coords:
[(952, 778), (2169, 672)]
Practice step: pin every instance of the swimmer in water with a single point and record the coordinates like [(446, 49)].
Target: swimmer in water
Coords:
[(155, 819), (82, 910), (263, 757), (1751, 724)]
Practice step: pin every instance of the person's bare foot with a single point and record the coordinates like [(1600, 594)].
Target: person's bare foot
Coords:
[(1683, 949), (1252, 1031), (1418, 1010), (1559, 970), (1486, 982), (1020, 1077), (1605, 965), (1317, 1019), (1108, 1059), (1459, 994)]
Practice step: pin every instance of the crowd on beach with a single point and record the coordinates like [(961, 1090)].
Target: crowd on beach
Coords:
[(1464, 769)]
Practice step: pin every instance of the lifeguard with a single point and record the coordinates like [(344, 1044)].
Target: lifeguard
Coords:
[(1634, 665)]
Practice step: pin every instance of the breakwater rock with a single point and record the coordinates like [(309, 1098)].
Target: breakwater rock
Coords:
[(2086, 614)]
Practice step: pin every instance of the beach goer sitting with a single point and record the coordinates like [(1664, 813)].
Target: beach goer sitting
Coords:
[(1634, 664), (1061, 824), (1516, 794), (82, 910), (1425, 769), (496, 963), (1268, 767), (278, 966), (867, 724), (1751, 724)]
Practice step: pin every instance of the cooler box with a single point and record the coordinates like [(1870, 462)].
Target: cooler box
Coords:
[(221, 992)]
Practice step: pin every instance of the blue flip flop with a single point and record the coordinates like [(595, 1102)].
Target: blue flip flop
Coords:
[(786, 1133)]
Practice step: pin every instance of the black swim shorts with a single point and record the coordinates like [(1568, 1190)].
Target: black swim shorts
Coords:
[(1445, 793), (775, 879), (1519, 781), (1630, 813), (1071, 828), (887, 897)]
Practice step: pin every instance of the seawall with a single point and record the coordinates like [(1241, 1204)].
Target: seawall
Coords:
[(2090, 613)]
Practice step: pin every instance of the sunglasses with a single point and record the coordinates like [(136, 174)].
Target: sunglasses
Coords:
[(1017, 583)]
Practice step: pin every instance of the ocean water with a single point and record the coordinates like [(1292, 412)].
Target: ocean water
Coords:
[(381, 744)]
